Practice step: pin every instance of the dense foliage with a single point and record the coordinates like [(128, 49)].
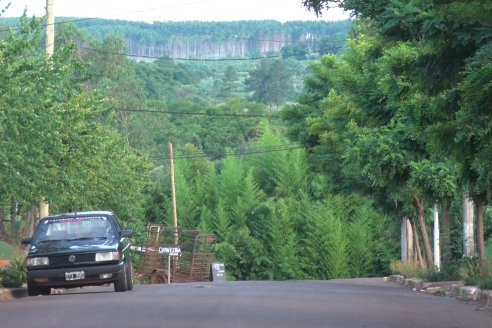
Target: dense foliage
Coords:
[(274, 218), (397, 123), (405, 113), (56, 138)]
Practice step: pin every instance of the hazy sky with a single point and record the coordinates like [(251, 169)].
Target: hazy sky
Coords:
[(173, 10)]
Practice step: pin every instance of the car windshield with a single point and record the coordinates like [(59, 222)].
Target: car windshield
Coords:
[(74, 228)]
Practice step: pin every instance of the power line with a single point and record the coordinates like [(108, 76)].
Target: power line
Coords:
[(153, 111), (14, 28), (76, 20), (231, 36), (211, 59), (253, 151)]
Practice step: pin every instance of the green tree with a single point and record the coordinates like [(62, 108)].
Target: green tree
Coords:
[(326, 243), (413, 57), (230, 83), (56, 138), (270, 82), (284, 244)]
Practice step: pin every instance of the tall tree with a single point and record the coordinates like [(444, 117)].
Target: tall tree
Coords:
[(270, 82), (428, 58), (56, 136)]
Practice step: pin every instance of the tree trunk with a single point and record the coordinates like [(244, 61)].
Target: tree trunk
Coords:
[(2, 222), (419, 206), (417, 245), (479, 201), (410, 247), (407, 250)]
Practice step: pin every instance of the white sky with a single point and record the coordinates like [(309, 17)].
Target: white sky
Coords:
[(173, 10)]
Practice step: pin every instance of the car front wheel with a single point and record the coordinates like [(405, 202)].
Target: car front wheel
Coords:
[(121, 285), (129, 275)]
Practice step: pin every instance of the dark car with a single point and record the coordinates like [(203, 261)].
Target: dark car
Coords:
[(78, 249)]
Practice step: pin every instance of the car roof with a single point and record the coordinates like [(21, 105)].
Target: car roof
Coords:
[(82, 213)]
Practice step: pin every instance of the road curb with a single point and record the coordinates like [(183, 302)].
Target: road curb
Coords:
[(10, 293), (447, 288)]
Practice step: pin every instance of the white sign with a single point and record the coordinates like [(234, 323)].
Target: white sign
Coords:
[(171, 250)]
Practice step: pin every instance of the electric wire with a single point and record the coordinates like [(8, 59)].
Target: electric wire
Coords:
[(252, 151), (229, 36), (113, 53), (153, 111)]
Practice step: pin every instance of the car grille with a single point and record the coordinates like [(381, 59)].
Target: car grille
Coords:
[(64, 260)]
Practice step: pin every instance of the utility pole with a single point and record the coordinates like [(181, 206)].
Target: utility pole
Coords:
[(50, 28), (173, 192), (175, 214), (50, 47)]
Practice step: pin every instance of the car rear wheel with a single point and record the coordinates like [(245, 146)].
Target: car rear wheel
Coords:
[(121, 285)]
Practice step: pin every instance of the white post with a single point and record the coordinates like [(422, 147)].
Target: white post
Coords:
[(468, 228), (403, 240), (437, 251), (169, 268)]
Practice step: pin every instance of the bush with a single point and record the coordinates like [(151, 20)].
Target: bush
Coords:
[(450, 271), (471, 270), (407, 269), (485, 283), (14, 274)]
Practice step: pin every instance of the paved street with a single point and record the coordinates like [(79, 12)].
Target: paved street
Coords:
[(339, 303)]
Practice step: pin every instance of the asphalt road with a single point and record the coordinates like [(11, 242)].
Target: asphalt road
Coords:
[(337, 303)]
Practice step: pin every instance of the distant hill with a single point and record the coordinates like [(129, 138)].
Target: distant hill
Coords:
[(238, 39)]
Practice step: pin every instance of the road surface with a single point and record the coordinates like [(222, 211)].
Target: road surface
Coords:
[(348, 303)]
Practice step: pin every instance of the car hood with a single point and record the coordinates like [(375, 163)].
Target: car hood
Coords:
[(73, 246)]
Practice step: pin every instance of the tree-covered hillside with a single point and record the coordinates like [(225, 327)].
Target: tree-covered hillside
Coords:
[(221, 39), (304, 167)]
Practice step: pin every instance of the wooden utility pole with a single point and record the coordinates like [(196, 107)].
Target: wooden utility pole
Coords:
[(175, 214), (173, 188), (50, 28), (50, 47)]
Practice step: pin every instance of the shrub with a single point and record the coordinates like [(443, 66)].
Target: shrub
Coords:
[(407, 269), (449, 271), (485, 283), (471, 270), (14, 274)]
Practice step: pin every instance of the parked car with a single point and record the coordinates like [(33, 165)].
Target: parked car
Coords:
[(78, 249)]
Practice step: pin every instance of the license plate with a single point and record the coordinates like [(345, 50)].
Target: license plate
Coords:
[(75, 275)]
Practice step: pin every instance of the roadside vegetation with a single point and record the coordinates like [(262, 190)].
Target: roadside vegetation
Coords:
[(302, 166)]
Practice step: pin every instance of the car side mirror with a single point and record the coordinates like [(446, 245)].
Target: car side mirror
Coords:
[(26, 241), (126, 233)]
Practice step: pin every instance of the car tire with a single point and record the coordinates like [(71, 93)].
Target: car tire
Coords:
[(158, 278), (120, 285), (129, 275)]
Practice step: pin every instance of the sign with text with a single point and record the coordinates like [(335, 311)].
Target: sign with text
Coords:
[(172, 250), (218, 272)]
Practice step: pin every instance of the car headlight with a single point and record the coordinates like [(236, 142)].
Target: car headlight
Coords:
[(107, 256), (37, 261)]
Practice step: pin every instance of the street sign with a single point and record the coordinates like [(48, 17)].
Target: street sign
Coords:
[(172, 250)]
